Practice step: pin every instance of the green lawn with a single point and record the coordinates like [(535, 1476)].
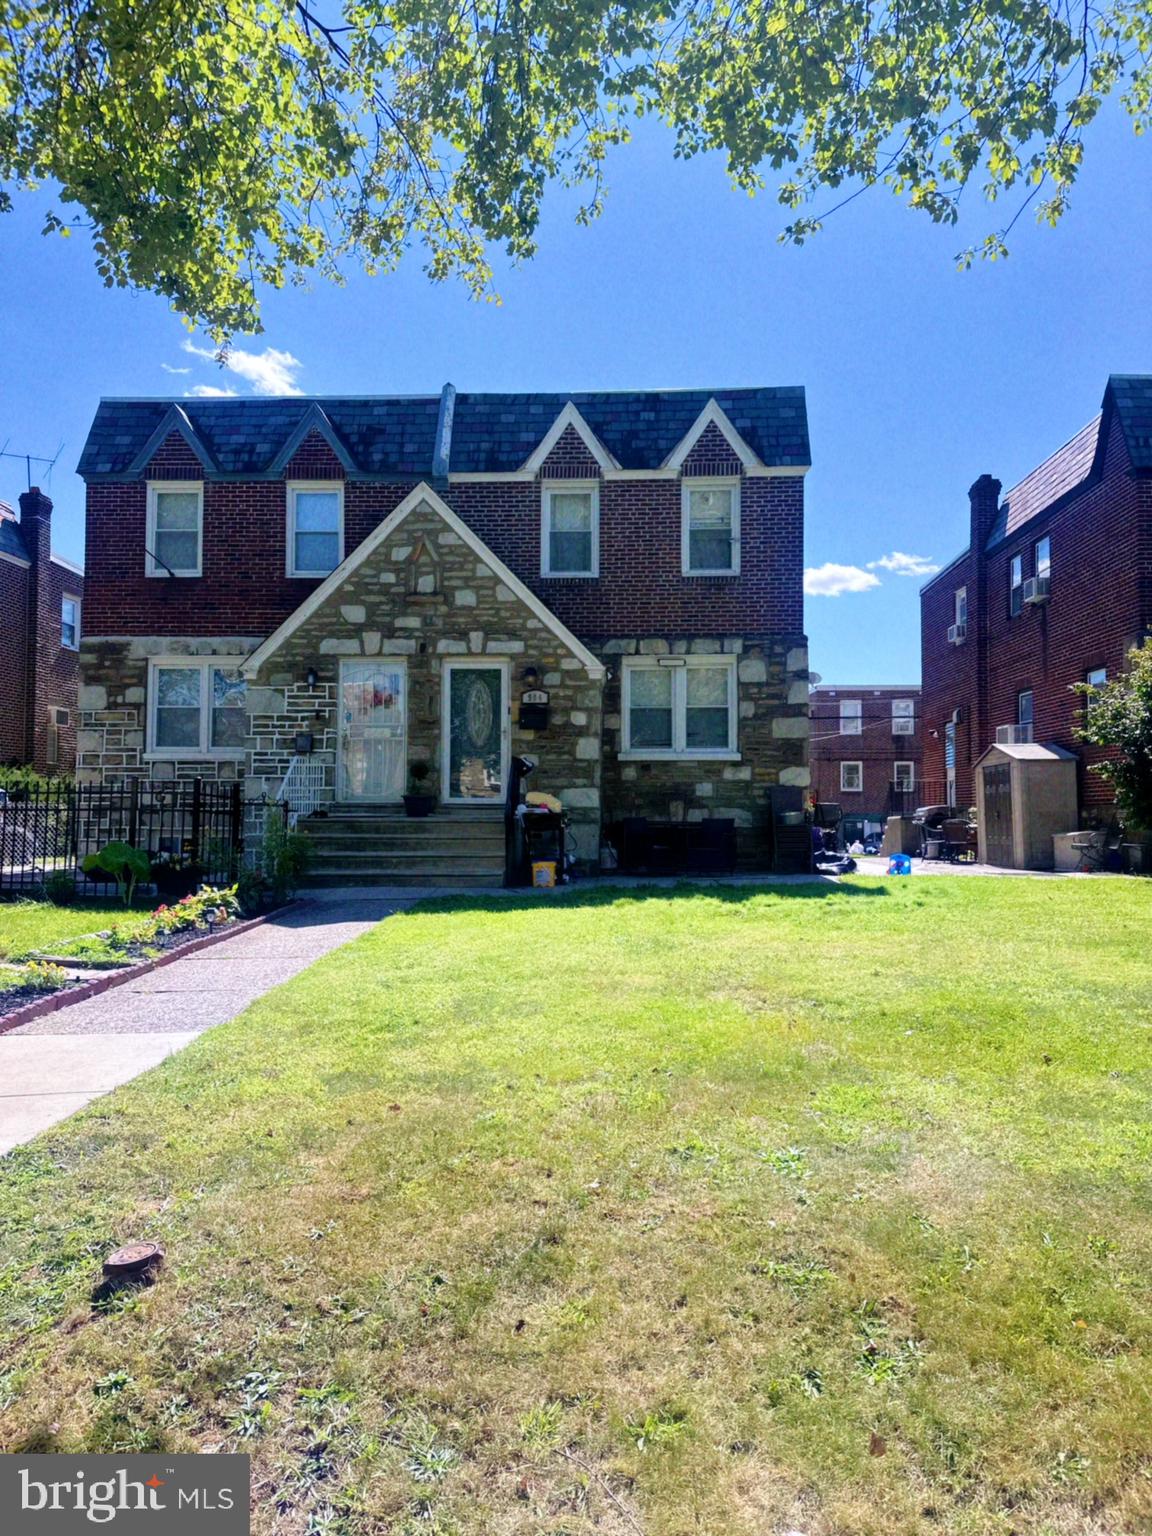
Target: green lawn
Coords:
[(38, 925), (724, 1213)]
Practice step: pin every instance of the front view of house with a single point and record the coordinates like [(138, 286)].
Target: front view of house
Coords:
[(325, 592)]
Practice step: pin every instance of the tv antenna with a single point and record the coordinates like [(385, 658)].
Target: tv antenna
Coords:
[(33, 458)]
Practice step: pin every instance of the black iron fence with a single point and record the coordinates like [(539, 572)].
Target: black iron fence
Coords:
[(50, 831)]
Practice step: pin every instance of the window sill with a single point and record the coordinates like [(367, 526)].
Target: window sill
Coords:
[(175, 575), (569, 575), (730, 575), (678, 757), (194, 755), (312, 575)]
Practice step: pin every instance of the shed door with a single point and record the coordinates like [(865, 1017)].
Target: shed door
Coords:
[(998, 814)]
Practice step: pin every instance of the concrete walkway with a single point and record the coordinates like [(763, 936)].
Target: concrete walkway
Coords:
[(54, 1066)]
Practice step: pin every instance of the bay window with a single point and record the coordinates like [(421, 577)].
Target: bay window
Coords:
[(680, 707)]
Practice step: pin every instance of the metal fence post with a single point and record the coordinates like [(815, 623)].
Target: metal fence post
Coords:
[(197, 788)]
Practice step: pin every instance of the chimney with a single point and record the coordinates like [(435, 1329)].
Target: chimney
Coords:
[(984, 499), (36, 525)]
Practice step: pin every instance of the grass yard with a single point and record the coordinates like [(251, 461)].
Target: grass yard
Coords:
[(38, 925), (727, 1213)]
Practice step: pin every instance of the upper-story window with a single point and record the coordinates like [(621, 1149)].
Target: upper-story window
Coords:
[(710, 527), (1025, 715), (570, 529), (196, 708), (903, 717), (683, 708), (851, 717), (315, 527), (851, 778), (1016, 585), (70, 623), (1044, 558), (961, 605), (175, 534)]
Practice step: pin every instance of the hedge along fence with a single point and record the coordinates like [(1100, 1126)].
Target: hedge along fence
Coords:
[(52, 828)]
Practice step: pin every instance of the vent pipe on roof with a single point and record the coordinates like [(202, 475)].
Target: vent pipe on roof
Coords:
[(442, 452)]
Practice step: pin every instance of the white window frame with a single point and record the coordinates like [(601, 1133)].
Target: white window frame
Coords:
[(550, 488), (1015, 586), (856, 714), (910, 777), (691, 483), (70, 597), (904, 721), (678, 751), (848, 789), (205, 664), (960, 605), (1045, 542), (291, 491), (155, 488), (1030, 723)]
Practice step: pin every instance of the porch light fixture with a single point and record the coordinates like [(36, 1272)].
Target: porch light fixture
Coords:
[(529, 675), (311, 678)]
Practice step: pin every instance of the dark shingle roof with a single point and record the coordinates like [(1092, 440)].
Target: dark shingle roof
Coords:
[(498, 432), (494, 433), (1131, 395), (1060, 473), (11, 539)]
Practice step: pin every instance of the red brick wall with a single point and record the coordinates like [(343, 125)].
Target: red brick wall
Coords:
[(14, 588), (244, 589), (1100, 605), (875, 747)]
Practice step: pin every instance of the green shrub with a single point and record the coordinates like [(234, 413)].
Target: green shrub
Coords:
[(122, 863), (60, 888), (284, 857), (28, 779)]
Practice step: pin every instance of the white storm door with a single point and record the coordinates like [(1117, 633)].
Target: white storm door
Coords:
[(373, 730)]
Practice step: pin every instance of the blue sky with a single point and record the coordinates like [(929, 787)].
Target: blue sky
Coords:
[(919, 377)]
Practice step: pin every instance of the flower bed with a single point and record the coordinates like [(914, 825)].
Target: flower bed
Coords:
[(167, 928)]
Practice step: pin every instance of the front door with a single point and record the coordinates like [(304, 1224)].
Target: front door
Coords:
[(373, 714), (475, 731)]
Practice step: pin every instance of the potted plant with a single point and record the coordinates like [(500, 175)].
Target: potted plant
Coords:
[(175, 876), (421, 798)]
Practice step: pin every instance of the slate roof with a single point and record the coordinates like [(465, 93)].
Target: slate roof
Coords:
[(396, 436), (11, 539), (495, 433), (1131, 395), (1060, 473)]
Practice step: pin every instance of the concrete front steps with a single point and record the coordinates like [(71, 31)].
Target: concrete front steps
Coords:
[(379, 845)]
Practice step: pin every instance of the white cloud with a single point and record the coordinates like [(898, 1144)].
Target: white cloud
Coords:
[(208, 392), (830, 580), (904, 565), (270, 372), (168, 368)]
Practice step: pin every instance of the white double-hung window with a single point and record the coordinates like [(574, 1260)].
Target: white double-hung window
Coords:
[(710, 527), (903, 717), (175, 530), (570, 529), (70, 622), (851, 717), (681, 706), (196, 707), (315, 527)]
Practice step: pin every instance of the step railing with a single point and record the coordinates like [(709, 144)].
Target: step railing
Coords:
[(301, 790)]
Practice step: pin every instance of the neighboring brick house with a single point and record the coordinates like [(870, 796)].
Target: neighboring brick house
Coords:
[(41, 596), (400, 578), (1054, 588), (866, 752)]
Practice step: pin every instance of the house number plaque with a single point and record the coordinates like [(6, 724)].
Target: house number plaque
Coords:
[(534, 709)]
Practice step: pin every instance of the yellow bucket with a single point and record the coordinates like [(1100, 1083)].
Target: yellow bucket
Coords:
[(544, 873)]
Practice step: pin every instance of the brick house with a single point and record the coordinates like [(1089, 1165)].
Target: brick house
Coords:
[(866, 751), (610, 584), (41, 596), (1054, 588)]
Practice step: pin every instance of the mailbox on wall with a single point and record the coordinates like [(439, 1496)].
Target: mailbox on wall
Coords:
[(534, 709)]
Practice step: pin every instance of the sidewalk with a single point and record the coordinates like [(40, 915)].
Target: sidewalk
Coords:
[(54, 1066)]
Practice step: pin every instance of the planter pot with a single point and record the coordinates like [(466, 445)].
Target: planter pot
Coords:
[(1137, 858), (419, 805)]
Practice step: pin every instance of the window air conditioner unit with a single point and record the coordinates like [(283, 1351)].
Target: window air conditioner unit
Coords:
[(1008, 734), (957, 634), (57, 715), (1036, 589)]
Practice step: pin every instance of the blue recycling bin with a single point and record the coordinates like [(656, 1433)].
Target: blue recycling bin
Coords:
[(899, 864)]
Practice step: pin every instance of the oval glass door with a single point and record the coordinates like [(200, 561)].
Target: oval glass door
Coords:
[(476, 733)]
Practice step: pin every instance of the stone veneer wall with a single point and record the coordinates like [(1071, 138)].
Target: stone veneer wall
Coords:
[(773, 731), (113, 704), (470, 614)]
